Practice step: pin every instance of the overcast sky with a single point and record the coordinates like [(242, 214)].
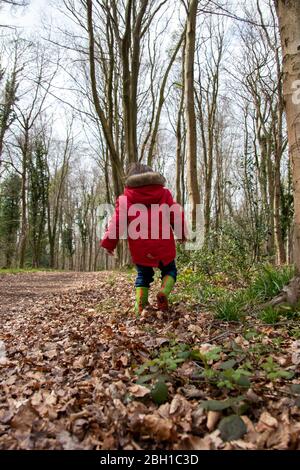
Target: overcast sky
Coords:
[(30, 22), (28, 18)]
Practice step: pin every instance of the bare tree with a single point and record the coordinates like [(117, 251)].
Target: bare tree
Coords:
[(193, 188), (289, 21), (27, 117)]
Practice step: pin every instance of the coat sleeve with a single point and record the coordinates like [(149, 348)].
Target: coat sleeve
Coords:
[(116, 226), (177, 218)]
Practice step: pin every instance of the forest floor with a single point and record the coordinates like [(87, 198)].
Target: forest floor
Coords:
[(80, 371)]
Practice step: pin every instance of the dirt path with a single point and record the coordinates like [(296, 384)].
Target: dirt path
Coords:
[(18, 291)]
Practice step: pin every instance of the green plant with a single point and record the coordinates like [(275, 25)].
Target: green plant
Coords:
[(10, 190), (234, 378), (225, 375), (225, 250), (230, 378), (208, 357), (221, 405), (269, 282), (24, 271), (295, 332), (157, 371), (167, 361), (251, 334), (230, 308), (269, 315), (274, 371)]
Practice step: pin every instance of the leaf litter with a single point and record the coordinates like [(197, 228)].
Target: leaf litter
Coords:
[(69, 356)]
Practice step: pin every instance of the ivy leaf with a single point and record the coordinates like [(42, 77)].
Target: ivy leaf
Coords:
[(227, 364), (159, 393), (243, 381), (220, 405), (145, 378), (295, 389), (195, 355), (215, 405), (232, 428), (297, 402)]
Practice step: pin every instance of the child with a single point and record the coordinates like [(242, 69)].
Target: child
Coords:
[(145, 205)]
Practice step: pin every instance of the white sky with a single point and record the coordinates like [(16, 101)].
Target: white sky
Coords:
[(28, 18), (30, 21)]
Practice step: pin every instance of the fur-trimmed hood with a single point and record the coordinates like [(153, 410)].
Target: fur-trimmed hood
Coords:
[(145, 179)]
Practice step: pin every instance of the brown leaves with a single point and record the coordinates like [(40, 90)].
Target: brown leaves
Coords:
[(44, 403), (296, 352), (67, 441), (139, 391), (191, 442), (213, 417), (266, 422), (154, 427), (68, 361)]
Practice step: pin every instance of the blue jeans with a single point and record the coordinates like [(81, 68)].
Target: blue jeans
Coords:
[(146, 273)]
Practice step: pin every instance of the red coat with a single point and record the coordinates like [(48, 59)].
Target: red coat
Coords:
[(150, 228)]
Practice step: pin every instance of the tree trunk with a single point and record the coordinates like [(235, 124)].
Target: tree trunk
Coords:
[(117, 170), (161, 102), (289, 23), (178, 194), (280, 250), (193, 188), (24, 224)]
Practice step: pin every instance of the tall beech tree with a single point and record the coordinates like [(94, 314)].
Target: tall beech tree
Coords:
[(193, 188), (288, 12)]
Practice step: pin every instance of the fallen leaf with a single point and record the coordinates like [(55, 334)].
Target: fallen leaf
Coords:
[(232, 428), (24, 418), (213, 417), (139, 391), (155, 427), (191, 442), (266, 421), (159, 393), (67, 441)]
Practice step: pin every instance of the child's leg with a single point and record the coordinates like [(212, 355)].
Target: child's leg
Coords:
[(169, 270), (145, 275), (144, 278), (168, 276)]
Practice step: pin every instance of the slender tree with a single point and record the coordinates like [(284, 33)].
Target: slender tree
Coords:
[(193, 188), (289, 23)]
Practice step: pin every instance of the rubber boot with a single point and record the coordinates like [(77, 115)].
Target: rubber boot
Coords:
[(168, 283), (141, 299)]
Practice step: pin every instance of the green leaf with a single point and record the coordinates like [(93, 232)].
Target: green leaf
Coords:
[(227, 364), (243, 381), (215, 405), (145, 378), (240, 408), (162, 378), (159, 393), (213, 354), (196, 355), (295, 389), (286, 374), (184, 355), (297, 402), (232, 428), (142, 369), (220, 405)]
